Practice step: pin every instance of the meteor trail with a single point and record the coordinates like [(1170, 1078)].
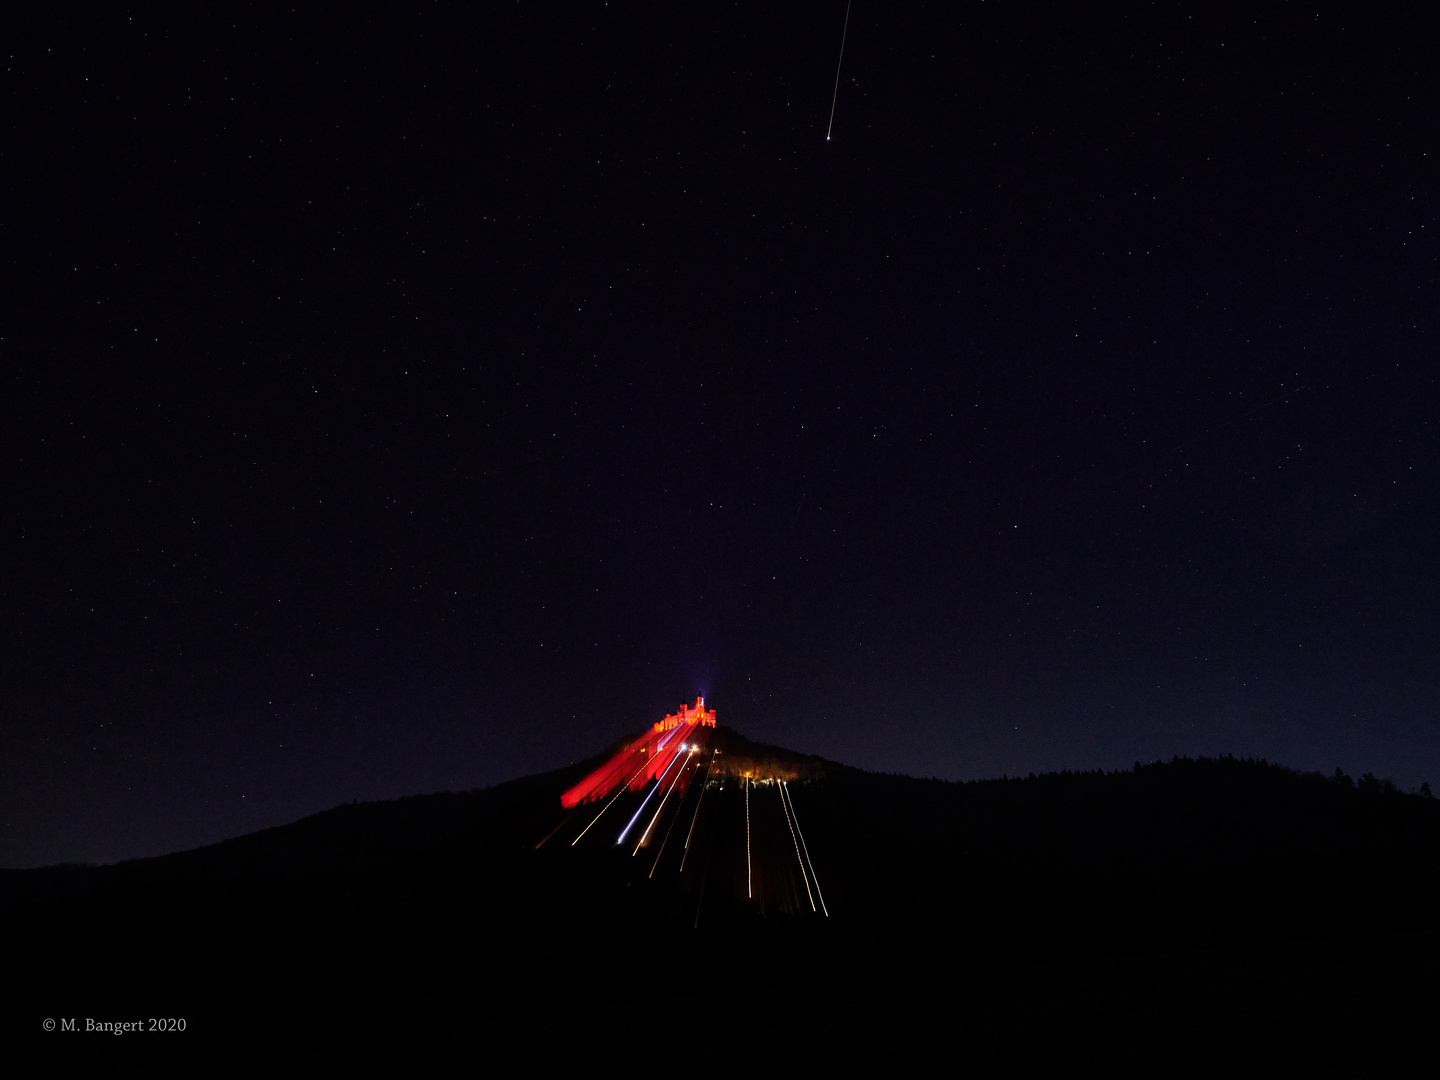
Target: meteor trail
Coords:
[(836, 94)]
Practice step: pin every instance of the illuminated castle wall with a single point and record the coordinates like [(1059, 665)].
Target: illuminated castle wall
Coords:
[(688, 714), (648, 756)]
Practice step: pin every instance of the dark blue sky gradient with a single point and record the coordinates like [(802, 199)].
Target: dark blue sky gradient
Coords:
[(405, 402)]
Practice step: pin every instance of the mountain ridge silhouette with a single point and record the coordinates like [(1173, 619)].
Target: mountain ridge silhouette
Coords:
[(447, 904)]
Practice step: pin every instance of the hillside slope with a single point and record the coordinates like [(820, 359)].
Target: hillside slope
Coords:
[(455, 905)]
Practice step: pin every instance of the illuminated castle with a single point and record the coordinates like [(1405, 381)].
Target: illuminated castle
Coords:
[(649, 756), (688, 714)]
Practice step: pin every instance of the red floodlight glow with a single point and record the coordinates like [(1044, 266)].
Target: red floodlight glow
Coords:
[(647, 757)]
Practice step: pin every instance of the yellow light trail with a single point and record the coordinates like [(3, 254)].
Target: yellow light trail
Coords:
[(623, 788), (672, 829), (749, 890), (557, 828), (696, 818)]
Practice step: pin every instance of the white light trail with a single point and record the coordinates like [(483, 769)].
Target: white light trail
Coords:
[(805, 849), (646, 835), (621, 838), (793, 840)]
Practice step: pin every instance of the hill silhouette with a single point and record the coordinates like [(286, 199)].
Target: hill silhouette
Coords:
[(455, 907)]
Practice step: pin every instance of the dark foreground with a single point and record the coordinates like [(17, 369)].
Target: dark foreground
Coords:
[(1201, 911)]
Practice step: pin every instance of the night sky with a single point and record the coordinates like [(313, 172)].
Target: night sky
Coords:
[(410, 401)]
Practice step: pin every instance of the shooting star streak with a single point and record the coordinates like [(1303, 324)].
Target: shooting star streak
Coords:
[(658, 784), (796, 842), (804, 848), (834, 96), (646, 835), (621, 791)]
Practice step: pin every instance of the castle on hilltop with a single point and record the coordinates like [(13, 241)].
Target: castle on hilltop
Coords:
[(688, 714)]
